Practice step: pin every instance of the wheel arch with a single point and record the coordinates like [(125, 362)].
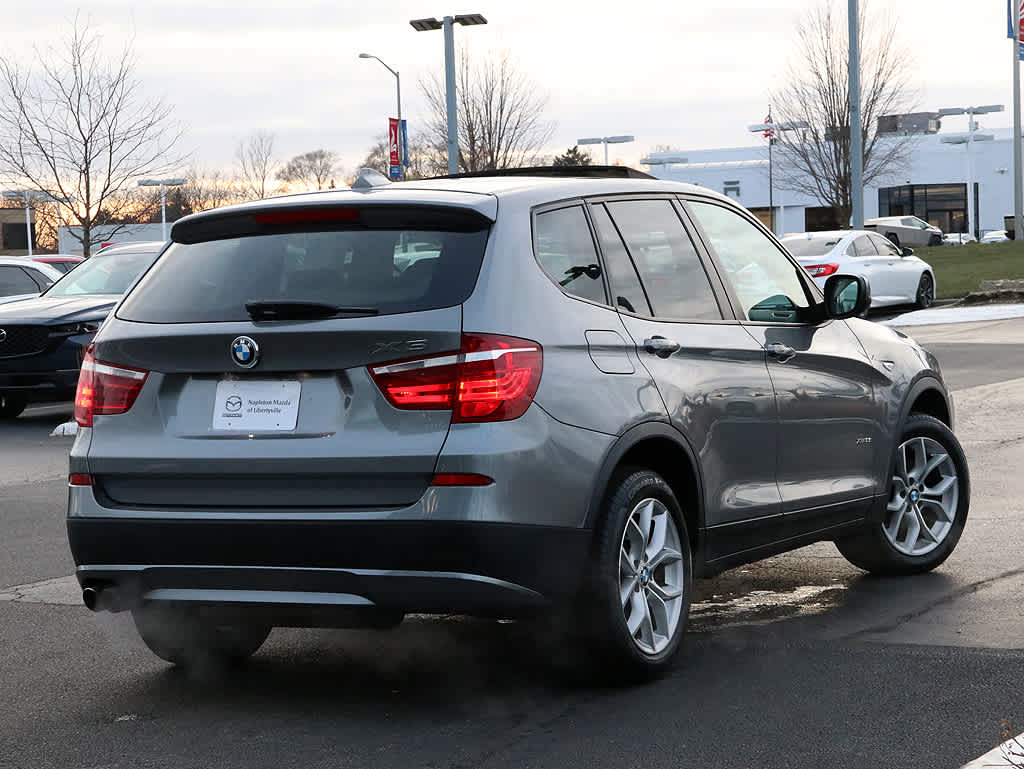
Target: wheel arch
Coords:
[(659, 447), (928, 396)]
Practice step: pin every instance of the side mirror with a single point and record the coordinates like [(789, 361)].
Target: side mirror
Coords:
[(846, 296), (907, 251)]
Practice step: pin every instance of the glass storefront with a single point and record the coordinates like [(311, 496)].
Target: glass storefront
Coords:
[(944, 205)]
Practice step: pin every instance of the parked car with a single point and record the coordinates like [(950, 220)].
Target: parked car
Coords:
[(958, 238), (577, 405), (906, 230), (995, 236), (894, 274), (62, 262), (43, 340), (21, 279)]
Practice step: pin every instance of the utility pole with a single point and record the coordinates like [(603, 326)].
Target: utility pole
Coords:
[(1018, 177), (856, 139)]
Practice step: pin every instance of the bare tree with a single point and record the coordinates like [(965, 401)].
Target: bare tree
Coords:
[(500, 115), (310, 169), (255, 157), (75, 124), (422, 162), (816, 161), (208, 188)]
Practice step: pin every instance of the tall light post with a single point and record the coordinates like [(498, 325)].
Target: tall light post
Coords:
[(28, 196), (768, 128), (968, 139), (606, 140), (1018, 148), (856, 130), (425, 25), (398, 90), (163, 184)]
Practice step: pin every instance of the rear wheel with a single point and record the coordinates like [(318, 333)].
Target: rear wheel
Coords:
[(639, 597), (192, 640), (929, 496), (894, 238), (12, 405), (925, 292)]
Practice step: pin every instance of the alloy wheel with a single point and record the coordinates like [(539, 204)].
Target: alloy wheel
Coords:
[(923, 499), (651, 576), (926, 292)]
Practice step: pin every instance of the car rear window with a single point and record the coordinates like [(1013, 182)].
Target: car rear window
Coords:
[(810, 246), (392, 270)]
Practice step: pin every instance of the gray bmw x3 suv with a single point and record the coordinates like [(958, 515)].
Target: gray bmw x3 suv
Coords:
[(495, 395)]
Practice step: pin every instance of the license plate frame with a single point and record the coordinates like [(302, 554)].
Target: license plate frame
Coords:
[(256, 405)]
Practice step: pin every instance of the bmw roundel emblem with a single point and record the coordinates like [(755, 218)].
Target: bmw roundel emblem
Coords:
[(245, 352)]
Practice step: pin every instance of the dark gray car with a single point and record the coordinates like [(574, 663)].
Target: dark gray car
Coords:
[(499, 396)]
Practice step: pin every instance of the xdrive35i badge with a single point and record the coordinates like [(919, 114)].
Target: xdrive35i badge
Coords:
[(245, 352)]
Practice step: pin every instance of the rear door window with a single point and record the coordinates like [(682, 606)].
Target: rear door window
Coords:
[(390, 269), (565, 250), (673, 275), (625, 283)]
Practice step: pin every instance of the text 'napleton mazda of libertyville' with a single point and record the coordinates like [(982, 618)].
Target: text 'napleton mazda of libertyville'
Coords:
[(502, 395)]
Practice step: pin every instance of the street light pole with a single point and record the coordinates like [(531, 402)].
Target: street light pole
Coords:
[(768, 128), (28, 196), (163, 184), (968, 140), (606, 140), (451, 116), (402, 159), (856, 139), (1018, 174)]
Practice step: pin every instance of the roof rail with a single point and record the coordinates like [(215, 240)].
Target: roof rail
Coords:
[(563, 172)]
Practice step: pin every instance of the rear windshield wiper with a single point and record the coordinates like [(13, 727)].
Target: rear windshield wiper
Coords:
[(300, 310)]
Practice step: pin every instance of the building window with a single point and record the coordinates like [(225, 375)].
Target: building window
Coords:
[(732, 189), (944, 205)]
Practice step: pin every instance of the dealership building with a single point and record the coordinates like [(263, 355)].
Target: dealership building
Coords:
[(932, 185)]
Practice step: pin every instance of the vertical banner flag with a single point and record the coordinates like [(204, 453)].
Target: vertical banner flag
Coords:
[(394, 157), (405, 145), (1009, 25)]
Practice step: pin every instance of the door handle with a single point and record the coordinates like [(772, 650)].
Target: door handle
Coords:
[(660, 346), (781, 352)]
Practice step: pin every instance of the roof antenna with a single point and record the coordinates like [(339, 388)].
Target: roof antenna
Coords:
[(369, 179)]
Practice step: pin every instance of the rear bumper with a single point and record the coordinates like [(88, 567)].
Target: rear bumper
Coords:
[(279, 566)]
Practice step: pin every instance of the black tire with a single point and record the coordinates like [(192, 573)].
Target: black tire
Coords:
[(195, 641), (894, 238), (872, 550), (11, 406), (603, 622), (935, 240), (925, 292)]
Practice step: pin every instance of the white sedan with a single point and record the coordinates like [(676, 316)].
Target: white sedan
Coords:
[(896, 276)]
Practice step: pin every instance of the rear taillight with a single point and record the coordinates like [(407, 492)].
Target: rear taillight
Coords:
[(822, 270), (105, 389), (491, 379), (80, 479)]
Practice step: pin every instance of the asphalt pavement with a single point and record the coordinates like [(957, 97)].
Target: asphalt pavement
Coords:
[(797, 661)]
